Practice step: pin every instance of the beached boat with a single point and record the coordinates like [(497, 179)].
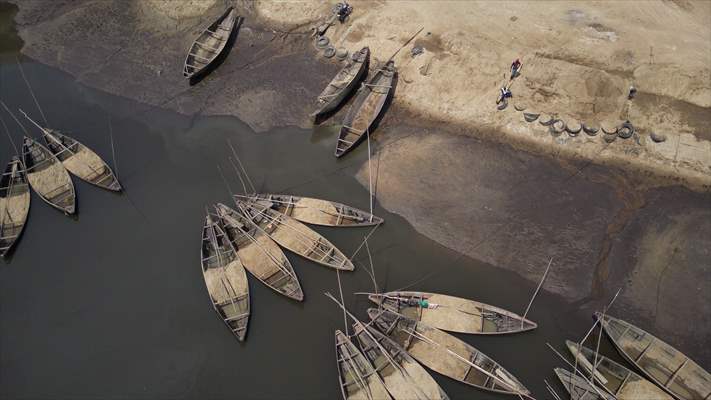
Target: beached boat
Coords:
[(47, 176), (660, 362), (293, 235), (453, 314), (260, 255), (615, 378), (404, 377), (317, 211), (446, 354), (579, 388), (14, 204), (343, 83), (367, 106), (81, 161), (357, 378), (225, 278), (211, 43)]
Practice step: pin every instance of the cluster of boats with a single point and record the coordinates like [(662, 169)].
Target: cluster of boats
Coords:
[(249, 237), (45, 167), (366, 108), (385, 358), (669, 373)]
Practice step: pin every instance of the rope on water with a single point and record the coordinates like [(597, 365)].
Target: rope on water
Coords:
[(22, 72), (7, 132), (14, 117), (246, 175), (370, 176)]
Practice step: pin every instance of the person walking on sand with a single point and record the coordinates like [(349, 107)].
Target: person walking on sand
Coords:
[(515, 68)]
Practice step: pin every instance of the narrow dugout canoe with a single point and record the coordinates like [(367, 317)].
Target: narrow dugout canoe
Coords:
[(663, 364), (404, 378), (343, 83), (259, 254), (579, 388), (446, 354), (619, 381), (293, 235), (366, 107), (211, 43), (317, 211), (225, 278), (81, 161), (357, 378), (453, 314), (48, 177), (14, 204)]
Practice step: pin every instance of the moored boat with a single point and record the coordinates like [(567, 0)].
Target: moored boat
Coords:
[(211, 43), (48, 177), (366, 108), (663, 364), (14, 204), (618, 380), (579, 388), (453, 314), (293, 235), (225, 278), (446, 354), (259, 254), (343, 83), (318, 212), (358, 380)]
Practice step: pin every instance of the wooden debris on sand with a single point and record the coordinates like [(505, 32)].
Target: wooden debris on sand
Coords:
[(293, 235), (317, 211), (579, 388), (14, 204), (662, 363), (259, 254), (616, 379), (453, 314), (225, 278), (47, 176), (358, 379), (211, 43), (404, 377), (81, 161), (367, 106), (446, 354), (343, 83)]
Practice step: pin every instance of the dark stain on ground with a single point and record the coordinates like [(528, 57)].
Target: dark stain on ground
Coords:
[(10, 42), (433, 43)]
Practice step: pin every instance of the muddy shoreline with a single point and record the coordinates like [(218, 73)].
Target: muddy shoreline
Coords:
[(472, 190)]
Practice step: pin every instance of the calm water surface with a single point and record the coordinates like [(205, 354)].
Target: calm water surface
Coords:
[(112, 304)]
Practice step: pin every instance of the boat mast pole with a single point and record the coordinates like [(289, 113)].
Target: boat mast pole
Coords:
[(545, 274)]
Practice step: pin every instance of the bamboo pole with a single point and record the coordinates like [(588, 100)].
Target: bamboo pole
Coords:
[(545, 274)]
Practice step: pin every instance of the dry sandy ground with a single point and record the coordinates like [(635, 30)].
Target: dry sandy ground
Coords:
[(437, 161)]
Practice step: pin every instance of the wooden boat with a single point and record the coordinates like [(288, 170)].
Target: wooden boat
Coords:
[(453, 314), (366, 108), (446, 354), (14, 204), (81, 161), (660, 362), (343, 83), (211, 43), (259, 254), (225, 278), (579, 388), (317, 211), (293, 235), (404, 378), (48, 177), (357, 378), (616, 379)]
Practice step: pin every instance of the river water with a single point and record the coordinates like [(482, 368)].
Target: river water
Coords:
[(112, 304)]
